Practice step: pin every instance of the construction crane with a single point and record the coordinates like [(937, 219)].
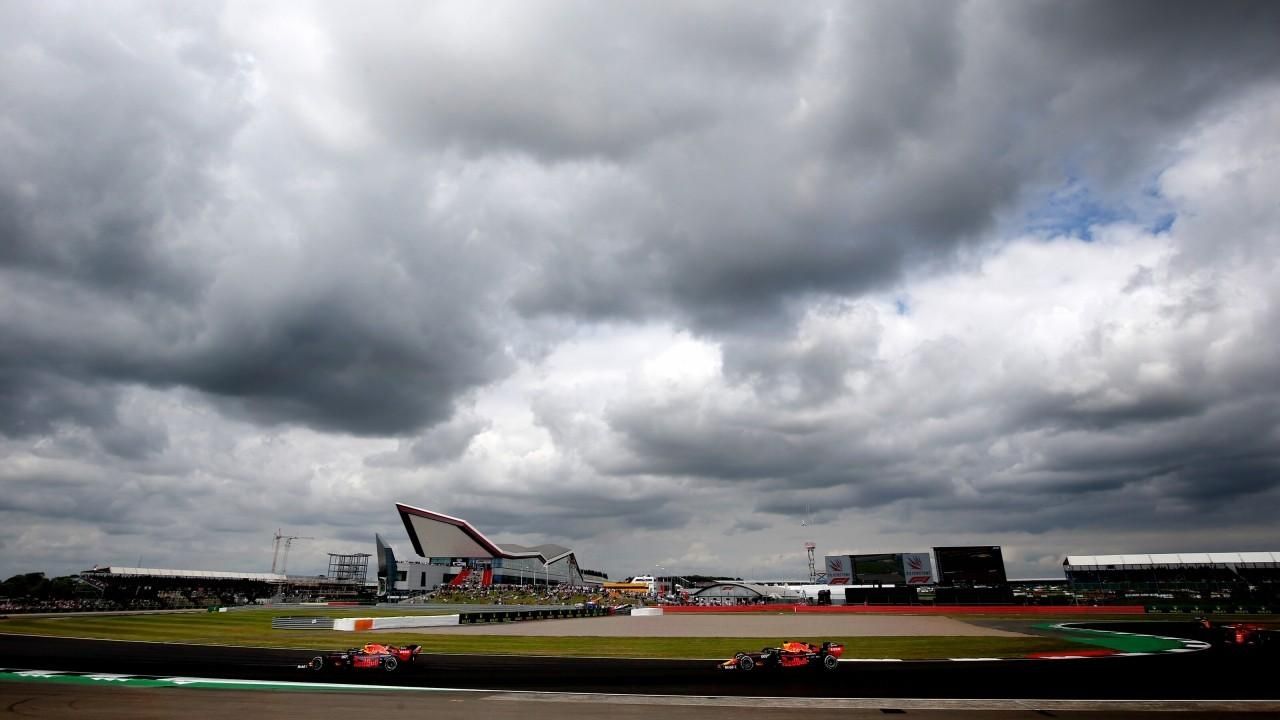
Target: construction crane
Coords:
[(288, 543)]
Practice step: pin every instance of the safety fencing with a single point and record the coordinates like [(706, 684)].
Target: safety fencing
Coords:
[(1213, 609), (1032, 610), (486, 616), (420, 621), (301, 623)]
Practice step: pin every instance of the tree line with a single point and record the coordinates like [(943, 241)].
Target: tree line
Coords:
[(35, 586)]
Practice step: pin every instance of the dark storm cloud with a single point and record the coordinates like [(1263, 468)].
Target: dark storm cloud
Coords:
[(577, 516), (562, 81), (771, 155), (1213, 455), (761, 445), (670, 440), (106, 151), (338, 363), (116, 505), (442, 443), (1121, 508), (923, 126), (803, 373), (119, 236), (357, 223), (747, 526), (112, 129), (996, 448), (562, 499), (35, 401), (1201, 472)]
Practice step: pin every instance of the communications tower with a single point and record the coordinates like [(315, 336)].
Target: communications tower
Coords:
[(813, 571)]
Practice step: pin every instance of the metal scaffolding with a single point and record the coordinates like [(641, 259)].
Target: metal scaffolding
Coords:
[(348, 568)]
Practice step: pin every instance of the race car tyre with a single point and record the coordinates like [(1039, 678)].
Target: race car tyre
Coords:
[(746, 663), (830, 662), (316, 663), (390, 664)]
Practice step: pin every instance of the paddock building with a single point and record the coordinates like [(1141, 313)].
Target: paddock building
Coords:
[(451, 551)]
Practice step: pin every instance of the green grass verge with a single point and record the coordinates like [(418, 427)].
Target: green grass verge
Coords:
[(1121, 643), (244, 627), (906, 648), (253, 628)]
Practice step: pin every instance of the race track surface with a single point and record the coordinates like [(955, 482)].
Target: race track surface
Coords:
[(1211, 674), (63, 702)]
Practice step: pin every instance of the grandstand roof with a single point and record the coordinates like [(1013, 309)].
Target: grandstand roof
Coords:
[(435, 534), (1172, 559), (760, 590), (193, 574), (549, 551)]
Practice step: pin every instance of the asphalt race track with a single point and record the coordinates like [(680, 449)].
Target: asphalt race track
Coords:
[(1212, 674)]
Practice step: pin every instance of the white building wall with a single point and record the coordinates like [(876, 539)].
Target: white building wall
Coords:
[(419, 576)]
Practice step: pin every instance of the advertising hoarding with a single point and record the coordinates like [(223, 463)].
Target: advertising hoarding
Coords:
[(917, 568), (839, 569)]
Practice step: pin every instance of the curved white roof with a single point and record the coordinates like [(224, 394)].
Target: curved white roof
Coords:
[(435, 534), (778, 591), (210, 574), (1121, 561)]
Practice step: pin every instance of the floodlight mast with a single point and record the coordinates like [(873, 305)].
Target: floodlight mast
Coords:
[(288, 543)]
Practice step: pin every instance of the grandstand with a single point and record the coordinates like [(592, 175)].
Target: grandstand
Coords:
[(453, 552), (135, 587), (745, 593), (1187, 581), (165, 588)]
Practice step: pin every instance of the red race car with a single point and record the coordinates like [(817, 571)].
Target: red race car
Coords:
[(1234, 635), (1242, 635), (372, 656), (791, 654)]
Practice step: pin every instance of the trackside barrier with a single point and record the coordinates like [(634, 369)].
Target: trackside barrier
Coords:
[(484, 616), (488, 616), (1218, 609), (1031, 610), (301, 623), (394, 623), (650, 611)]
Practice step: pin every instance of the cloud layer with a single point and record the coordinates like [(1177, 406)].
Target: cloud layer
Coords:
[(655, 282)]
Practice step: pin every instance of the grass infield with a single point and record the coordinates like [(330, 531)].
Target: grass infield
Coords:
[(253, 628)]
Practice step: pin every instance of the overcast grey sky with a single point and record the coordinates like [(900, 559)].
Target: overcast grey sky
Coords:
[(673, 284)]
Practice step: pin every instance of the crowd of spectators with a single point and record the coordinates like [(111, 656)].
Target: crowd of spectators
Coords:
[(35, 593), (472, 591), (35, 605), (161, 601)]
